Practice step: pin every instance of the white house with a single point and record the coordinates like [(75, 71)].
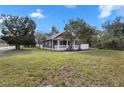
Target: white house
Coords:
[(57, 42)]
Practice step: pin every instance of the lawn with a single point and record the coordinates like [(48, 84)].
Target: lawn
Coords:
[(34, 67)]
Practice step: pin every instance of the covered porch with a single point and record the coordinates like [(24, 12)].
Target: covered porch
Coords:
[(59, 45)]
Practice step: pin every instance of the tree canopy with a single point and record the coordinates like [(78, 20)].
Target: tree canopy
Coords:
[(113, 37), (18, 30), (53, 31), (78, 29), (40, 37)]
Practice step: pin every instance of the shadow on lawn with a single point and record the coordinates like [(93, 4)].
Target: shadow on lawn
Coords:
[(15, 52), (101, 52)]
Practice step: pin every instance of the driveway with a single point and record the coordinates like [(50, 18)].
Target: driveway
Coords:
[(3, 49)]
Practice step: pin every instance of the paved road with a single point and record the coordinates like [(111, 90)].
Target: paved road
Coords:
[(3, 49)]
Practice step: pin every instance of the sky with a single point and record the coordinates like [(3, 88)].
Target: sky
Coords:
[(46, 16)]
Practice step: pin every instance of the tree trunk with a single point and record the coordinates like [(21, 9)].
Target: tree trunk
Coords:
[(17, 47), (70, 48)]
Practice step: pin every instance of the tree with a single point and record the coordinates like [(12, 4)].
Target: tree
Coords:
[(107, 26), (109, 41), (78, 29), (29, 40), (116, 27), (53, 31), (69, 34), (39, 38), (95, 38), (84, 31), (17, 30), (1, 41), (114, 34)]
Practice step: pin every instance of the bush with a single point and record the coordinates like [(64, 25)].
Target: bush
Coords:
[(113, 42)]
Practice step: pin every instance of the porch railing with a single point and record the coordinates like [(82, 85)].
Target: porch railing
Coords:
[(65, 46), (60, 46)]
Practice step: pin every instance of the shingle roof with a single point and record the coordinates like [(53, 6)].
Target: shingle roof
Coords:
[(54, 36)]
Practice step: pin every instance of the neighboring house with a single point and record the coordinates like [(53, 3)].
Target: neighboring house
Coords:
[(57, 42)]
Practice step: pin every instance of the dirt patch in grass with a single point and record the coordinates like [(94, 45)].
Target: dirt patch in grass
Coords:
[(64, 76)]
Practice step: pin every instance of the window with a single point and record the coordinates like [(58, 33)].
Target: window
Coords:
[(63, 42)]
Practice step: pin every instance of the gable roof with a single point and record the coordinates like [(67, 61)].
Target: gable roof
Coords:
[(54, 36)]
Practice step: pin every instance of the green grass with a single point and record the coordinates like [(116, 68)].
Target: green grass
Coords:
[(33, 67)]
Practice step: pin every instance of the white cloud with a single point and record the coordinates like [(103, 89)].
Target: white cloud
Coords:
[(106, 10), (71, 6), (37, 14)]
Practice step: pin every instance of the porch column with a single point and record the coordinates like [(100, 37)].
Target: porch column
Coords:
[(74, 45), (58, 44), (52, 44), (67, 43)]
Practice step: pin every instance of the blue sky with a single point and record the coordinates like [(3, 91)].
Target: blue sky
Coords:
[(47, 16)]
